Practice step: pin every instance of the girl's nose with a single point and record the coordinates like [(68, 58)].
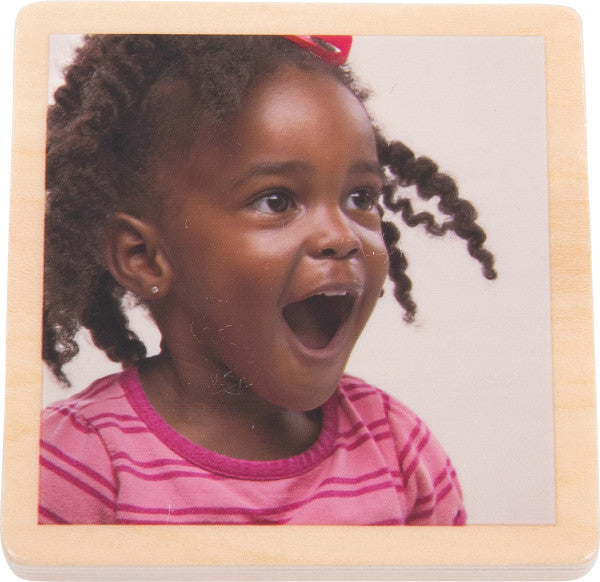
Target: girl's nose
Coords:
[(332, 236)]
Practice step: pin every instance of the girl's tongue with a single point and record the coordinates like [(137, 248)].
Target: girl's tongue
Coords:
[(316, 320)]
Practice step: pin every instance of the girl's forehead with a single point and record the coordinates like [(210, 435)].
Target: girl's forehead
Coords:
[(312, 97), (178, 108), (286, 111), (297, 82), (309, 119)]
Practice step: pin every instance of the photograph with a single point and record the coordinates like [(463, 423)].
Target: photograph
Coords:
[(465, 352)]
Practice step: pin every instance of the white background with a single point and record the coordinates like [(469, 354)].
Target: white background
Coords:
[(430, 314)]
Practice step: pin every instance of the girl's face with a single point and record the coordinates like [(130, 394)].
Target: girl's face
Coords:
[(274, 237)]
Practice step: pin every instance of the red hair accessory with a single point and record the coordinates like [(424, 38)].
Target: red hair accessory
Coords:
[(331, 49)]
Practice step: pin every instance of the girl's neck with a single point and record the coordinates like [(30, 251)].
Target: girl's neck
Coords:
[(214, 409)]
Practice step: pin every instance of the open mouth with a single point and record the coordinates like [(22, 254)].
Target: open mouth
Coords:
[(316, 320)]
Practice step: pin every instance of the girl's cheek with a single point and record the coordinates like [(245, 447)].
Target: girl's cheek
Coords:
[(377, 253)]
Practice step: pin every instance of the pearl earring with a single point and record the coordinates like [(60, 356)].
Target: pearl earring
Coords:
[(154, 290)]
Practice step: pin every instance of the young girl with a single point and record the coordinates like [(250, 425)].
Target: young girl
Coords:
[(235, 186)]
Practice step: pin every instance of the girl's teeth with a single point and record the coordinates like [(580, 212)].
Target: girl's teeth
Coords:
[(334, 293)]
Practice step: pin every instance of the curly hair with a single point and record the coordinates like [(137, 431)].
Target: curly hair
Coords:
[(115, 113)]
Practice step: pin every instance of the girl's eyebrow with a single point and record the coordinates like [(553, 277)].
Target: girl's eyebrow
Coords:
[(298, 166), (367, 167), (275, 169)]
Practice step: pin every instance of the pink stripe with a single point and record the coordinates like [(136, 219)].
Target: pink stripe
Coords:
[(361, 395), (424, 500), (410, 520), (361, 440), (413, 465), (350, 383), (73, 418), (354, 480), (169, 474), (387, 405), (55, 407), (427, 498), (113, 415), (354, 445), (383, 435), (158, 463), (460, 518), (77, 483), (364, 436), (212, 477), (202, 521), (328, 494), (443, 493), (359, 426), (86, 428), (441, 477), (84, 401), (243, 511), (96, 388), (123, 429), (389, 522), (78, 465), (351, 431), (361, 478), (429, 512), (89, 393), (409, 443), (50, 515), (377, 423), (335, 494), (93, 403), (418, 516)]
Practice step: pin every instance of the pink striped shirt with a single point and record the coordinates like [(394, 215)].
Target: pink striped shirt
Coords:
[(108, 457)]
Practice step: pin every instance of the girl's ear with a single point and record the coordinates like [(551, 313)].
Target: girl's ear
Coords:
[(135, 257)]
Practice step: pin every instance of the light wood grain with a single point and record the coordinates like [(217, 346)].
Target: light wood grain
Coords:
[(566, 548)]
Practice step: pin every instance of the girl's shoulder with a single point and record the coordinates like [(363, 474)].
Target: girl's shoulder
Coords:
[(429, 479), (102, 396), (367, 399)]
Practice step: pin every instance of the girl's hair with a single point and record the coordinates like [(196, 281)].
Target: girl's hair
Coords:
[(129, 98)]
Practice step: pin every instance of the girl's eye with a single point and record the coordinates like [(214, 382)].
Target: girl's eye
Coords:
[(274, 203), (363, 200)]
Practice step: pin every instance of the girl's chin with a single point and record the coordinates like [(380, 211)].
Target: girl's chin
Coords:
[(297, 376), (299, 395), (308, 380)]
